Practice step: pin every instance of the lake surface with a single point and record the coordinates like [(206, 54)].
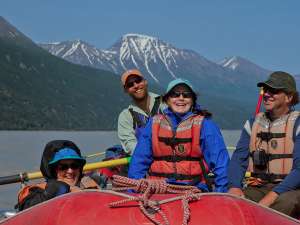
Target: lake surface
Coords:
[(21, 152)]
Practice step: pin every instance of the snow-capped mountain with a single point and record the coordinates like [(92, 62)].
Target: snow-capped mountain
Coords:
[(229, 92), (158, 60), (161, 62), (80, 52), (242, 65)]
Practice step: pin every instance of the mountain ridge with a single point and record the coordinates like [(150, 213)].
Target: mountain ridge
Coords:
[(46, 92), (39, 91), (160, 62)]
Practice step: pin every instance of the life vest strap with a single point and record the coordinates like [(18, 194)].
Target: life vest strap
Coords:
[(175, 158), (267, 136), (171, 141), (174, 175), (279, 156), (155, 110), (137, 120), (270, 157), (270, 177)]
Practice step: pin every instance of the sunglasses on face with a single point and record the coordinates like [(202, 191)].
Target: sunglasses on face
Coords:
[(66, 166), (176, 94), (272, 91), (131, 82)]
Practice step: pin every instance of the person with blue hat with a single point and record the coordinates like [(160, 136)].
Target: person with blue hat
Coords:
[(103, 176), (182, 145), (62, 167)]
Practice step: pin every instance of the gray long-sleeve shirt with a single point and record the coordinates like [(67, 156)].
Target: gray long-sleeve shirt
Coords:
[(126, 132)]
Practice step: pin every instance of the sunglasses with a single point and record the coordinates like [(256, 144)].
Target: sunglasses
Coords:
[(65, 166), (131, 82), (272, 91), (185, 94)]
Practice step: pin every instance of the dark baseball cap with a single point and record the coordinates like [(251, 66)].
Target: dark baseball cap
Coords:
[(280, 80)]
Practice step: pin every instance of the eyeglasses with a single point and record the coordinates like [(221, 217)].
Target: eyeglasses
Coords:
[(185, 94), (131, 82), (65, 166)]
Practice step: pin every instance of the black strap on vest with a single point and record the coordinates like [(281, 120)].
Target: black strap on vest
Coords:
[(279, 156), (137, 121), (171, 141), (175, 158), (155, 109), (176, 176), (270, 156), (208, 181), (195, 178), (270, 177), (267, 136)]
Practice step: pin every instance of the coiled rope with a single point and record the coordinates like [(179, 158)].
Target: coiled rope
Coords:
[(148, 187)]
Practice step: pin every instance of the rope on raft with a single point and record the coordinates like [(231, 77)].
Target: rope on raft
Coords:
[(148, 187)]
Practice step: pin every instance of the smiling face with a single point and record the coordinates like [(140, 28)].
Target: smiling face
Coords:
[(277, 102), (68, 171), (136, 87), (180, 99)]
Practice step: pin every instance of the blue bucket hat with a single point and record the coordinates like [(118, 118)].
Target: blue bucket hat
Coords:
[(67, 153), (177, 81)]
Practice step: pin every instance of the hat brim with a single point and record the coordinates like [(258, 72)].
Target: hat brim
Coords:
[(177, 82), (270, 85), (129, 73), (77, 158)]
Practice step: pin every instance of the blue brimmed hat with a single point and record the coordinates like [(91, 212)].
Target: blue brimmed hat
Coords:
[(67, 153), (177, 81)]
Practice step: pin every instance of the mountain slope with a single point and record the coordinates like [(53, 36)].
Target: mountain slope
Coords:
[(244, 66), (41, 91)]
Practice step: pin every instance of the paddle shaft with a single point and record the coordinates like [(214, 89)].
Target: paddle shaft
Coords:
[(261, 94), (88, 167)]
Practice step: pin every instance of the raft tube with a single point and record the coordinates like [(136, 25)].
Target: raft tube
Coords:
[(92, 208)]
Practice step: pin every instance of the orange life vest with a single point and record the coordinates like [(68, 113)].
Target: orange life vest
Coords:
[(276, 140), (177, 154), (25, 191), (85, 183)]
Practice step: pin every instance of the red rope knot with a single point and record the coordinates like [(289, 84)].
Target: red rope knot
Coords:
[(148, 187)]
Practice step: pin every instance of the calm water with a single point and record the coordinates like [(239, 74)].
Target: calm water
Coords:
[(21, 152)]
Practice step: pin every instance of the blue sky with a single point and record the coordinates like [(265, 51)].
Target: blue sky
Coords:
[(267, 32)]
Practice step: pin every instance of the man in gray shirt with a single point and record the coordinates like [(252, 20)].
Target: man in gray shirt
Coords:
[(144, 105)]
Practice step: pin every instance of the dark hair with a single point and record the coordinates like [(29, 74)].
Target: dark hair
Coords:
[(202, 112), (50, 149), (295, 99)]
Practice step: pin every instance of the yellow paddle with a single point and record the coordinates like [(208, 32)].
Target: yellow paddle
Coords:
[(25, 176)]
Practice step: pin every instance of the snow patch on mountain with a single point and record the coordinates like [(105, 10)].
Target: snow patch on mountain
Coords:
[(159, 61), (242, 65)]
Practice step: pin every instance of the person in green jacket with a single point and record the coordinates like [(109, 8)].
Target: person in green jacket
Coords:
[(144, 105)]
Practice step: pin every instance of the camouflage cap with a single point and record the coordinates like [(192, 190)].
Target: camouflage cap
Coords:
[(280, 80)]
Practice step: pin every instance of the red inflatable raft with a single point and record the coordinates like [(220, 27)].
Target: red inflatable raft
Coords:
[(92, 208)]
